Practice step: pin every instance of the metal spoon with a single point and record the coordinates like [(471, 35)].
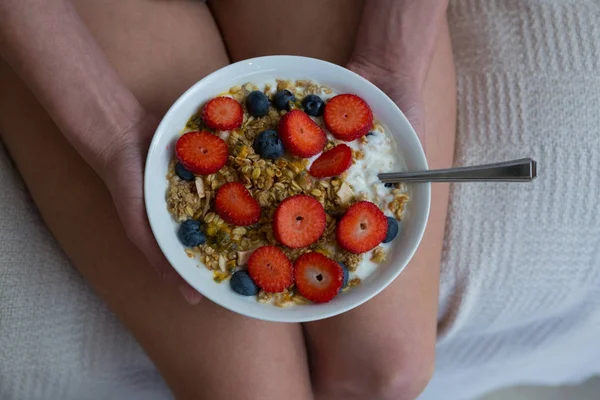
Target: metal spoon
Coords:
[(522, 170)]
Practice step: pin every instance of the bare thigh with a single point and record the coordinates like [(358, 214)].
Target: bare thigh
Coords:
[(385, 348), (204, 352), (323, 29)]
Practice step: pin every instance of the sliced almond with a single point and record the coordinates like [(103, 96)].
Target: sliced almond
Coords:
[(243, 256), (224, 135), (200, 186), (345, 193), (207, 204)]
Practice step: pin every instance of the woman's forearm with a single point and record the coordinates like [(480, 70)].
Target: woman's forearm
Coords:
[(49, 46), (399, 36)]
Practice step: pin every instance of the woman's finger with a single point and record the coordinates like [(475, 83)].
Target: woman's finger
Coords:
[(151, 250), (133, 216), (189, 293), (405, 92)]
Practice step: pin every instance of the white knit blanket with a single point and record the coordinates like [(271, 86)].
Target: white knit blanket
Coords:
[(520, 286)]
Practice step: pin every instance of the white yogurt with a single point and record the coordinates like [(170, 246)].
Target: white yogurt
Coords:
[(380, 155)]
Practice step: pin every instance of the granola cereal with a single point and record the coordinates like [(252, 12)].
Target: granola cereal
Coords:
[(227, 248)]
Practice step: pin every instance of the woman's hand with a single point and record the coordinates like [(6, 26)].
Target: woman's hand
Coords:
[(121, 166), (405, 90), (394, 47), (90, 104)]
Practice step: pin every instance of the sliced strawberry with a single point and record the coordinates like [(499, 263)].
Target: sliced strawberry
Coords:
[(270, 269), (299, 221), (362, 227), (236, 206), (348, 117), (300, 135), (318, 278), (201, 152), (332, 162), (223, 114)]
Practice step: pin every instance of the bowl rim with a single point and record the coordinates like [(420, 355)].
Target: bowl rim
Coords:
[(418, 229)]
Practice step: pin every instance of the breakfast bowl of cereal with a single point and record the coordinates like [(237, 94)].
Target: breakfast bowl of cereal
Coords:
[(261, 189)]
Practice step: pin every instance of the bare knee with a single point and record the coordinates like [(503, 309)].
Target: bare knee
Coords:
[(382, 379)]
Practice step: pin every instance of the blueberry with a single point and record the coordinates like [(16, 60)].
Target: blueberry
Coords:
[(282, 99), (191, 234), (346, 275), (268, 145), (392, 230), (313, 105), (371, 134), (183, 173), (388, 185), (241, 283), (257, 104)]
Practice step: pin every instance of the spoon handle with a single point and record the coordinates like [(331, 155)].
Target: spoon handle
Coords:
[(522, 170)]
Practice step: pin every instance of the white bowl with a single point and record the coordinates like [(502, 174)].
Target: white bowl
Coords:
[(340, 80)]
